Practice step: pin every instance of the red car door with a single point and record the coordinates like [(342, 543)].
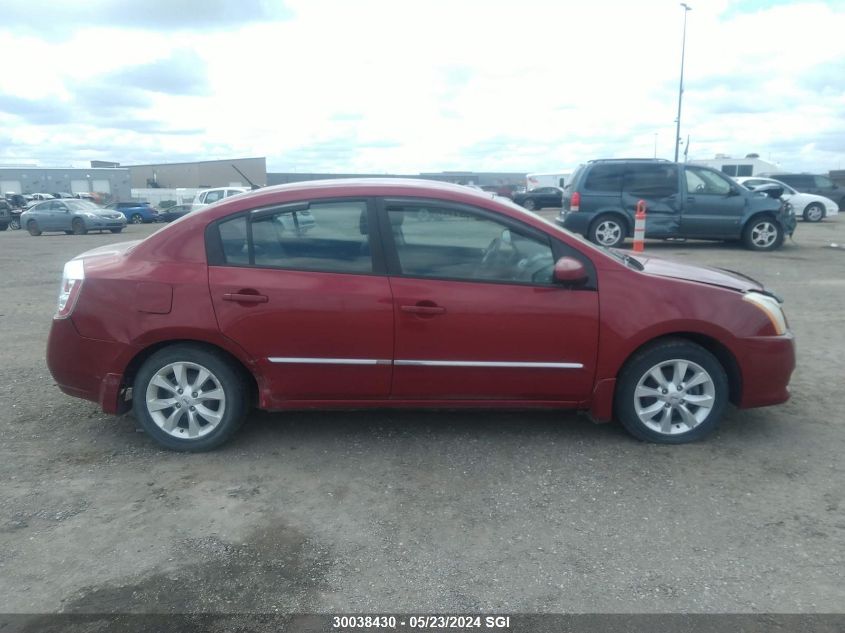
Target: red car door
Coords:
[(477, 313), (296, 286)]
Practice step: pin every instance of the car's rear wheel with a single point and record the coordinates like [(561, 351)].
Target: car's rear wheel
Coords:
[(607, 230), (136, 218), (762, 234), (529, 204), (672, 392), (33, 228), (78, 227), (814, 212), (189, 398)]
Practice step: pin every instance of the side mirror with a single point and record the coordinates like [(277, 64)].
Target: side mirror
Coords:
[(570, 271)]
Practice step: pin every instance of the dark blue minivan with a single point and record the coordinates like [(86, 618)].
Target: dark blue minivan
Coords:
[(682, 201)]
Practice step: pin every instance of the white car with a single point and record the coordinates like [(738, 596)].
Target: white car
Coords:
[(208, 196), (809, 206)]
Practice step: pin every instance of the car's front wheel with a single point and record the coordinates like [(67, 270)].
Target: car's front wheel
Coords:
[(116, 230), (15, 224), (607, 230), (189, 398), (671, 392), (762, 233), (814, 212)]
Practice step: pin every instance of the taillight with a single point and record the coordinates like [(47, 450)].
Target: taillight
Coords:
[(575, 201), (72, 278)]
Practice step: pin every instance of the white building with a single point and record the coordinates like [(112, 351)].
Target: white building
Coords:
[(751, 165)]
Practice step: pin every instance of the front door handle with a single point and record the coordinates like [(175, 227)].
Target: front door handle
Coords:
[(423, 308), (245, 297)]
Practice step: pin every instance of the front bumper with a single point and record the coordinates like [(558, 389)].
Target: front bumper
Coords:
[(766, 365)]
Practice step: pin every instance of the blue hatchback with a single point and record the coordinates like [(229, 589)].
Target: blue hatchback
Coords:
[(136, 212)]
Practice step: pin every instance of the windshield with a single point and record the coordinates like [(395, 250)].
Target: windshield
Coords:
[(81, 205)]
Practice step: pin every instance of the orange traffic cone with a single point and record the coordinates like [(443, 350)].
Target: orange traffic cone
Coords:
[(639, 227)]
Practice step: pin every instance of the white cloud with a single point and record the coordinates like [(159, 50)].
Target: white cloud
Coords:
[(382, 86)]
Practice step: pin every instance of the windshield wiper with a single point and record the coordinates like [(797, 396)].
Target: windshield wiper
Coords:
[(626, 259)]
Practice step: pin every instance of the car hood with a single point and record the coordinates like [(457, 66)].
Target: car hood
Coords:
[(701, 274)]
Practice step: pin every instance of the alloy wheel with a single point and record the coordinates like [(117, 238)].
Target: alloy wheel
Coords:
[(674, 396), (764, 234), (185, 400), (608, 233)]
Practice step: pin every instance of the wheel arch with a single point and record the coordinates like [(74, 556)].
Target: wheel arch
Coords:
[(140, 358), (724, 355)]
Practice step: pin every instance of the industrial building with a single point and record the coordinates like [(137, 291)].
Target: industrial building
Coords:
[(109, 183), (200, 174)]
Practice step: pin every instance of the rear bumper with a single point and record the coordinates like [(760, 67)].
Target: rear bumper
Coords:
[(84, 367), (766, 365), (576, 222)]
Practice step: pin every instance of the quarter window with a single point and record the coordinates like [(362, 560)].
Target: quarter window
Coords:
[(606, 178), (455, 244)]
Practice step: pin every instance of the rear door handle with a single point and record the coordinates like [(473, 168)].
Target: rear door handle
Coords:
[(244, 297), (423, 309)]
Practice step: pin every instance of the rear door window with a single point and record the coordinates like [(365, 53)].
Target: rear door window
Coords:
[(652, 181), (321, 236)]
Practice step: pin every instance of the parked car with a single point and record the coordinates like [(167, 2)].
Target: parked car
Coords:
[(71, 216), (5, 214), (809, 206), (38, 197), (490, 307), (539, 198), (16, 200), (682, 200), (174, 213), (210, 196), (813, 183), (135, 212)]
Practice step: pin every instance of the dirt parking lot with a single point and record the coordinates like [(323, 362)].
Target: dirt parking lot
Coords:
[(426, 511)]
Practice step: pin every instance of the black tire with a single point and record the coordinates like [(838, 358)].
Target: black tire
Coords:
[(68, 232), (136, 218), (529, 204), (15, 225), (78, 227), (608, 230), (664, 354), (3, 227), (814, 212), (231, 381), (33, 228), (116, 230), (762, 233)]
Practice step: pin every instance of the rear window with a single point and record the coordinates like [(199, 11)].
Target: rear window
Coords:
[(606, 177)]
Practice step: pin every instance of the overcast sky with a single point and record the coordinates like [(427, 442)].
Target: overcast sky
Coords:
[(399, 86)]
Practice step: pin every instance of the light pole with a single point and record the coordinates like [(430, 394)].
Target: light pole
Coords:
[(687, 9)]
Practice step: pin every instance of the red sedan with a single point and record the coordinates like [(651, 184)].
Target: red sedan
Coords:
[(392, 293)]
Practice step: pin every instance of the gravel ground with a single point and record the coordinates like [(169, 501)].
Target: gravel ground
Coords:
[(426, 511)]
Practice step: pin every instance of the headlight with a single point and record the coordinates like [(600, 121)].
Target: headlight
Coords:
[(122, 217), (771, 307), (93, 216)]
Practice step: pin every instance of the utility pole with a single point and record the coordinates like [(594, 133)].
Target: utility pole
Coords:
[(687, 9)]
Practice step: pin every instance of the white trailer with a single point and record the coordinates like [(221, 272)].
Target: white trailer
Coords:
[(559, 179)]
